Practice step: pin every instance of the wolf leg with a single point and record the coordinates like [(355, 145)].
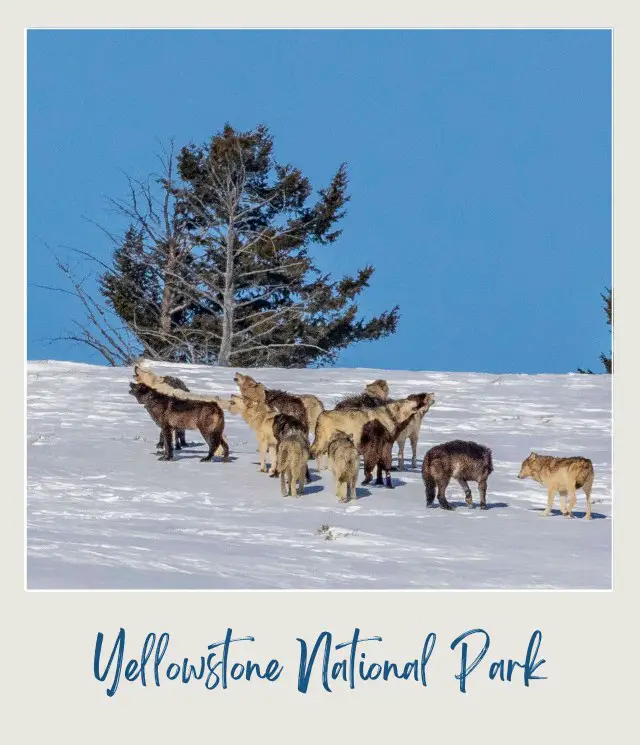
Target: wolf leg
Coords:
[(368, 473), (379, 481), (213, 441), (571, 501), (284, 489), (482, 490), (167, 436), (272, 458), (563, 501), (414, 450), (301, 480), (263, 456), (468, 497), (587, 492), (225, 448), (442, 488), (401, 443), (551, 492)]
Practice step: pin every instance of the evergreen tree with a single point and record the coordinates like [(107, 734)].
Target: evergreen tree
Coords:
[(252, 224), (607, 360)]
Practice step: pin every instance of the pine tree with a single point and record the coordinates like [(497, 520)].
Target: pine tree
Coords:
[(607, 360), (252, 224)]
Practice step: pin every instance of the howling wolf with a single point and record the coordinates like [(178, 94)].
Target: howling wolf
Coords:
[(563, 475), (351, 421), (174, 409), (304, 407)]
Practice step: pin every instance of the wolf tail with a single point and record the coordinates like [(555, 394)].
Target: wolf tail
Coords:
[(489, 461), (429, 488)]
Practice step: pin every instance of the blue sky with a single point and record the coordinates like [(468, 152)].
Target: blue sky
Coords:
[(479, 162)]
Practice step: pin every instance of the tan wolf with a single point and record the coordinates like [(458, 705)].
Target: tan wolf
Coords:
[(344, 462), (293, 456), (563, 475), (351, 421), (377, 394), (304, 407), (260, 418)]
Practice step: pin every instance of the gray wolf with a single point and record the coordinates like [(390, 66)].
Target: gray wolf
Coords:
[(292, 459), (285, 425), (563, 475), (463, 461), (344, 462)]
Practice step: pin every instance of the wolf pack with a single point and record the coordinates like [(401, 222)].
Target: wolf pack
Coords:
[(363, 426)]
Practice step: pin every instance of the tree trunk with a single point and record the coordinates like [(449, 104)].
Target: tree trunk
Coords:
[(224, 355), (167, 292)]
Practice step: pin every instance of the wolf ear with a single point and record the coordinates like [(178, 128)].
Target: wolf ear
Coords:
[(533, 455)]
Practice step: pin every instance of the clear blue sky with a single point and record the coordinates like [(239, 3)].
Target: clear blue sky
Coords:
[(479, 161)]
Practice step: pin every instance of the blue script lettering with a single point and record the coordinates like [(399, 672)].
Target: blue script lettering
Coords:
[(347, 671), (216, 664), (497, 668), (219, 671)]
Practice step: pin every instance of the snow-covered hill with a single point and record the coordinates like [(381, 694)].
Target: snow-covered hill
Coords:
[(103, 512)]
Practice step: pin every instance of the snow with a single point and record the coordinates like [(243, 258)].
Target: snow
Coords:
[(104, 513)]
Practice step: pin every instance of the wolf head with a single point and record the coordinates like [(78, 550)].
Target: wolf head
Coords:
[(243, 380), (255, 392), (527, 466), (378, 388), (340, 436), (405, 408), (236, 404), (424, 400), (139, 391)]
